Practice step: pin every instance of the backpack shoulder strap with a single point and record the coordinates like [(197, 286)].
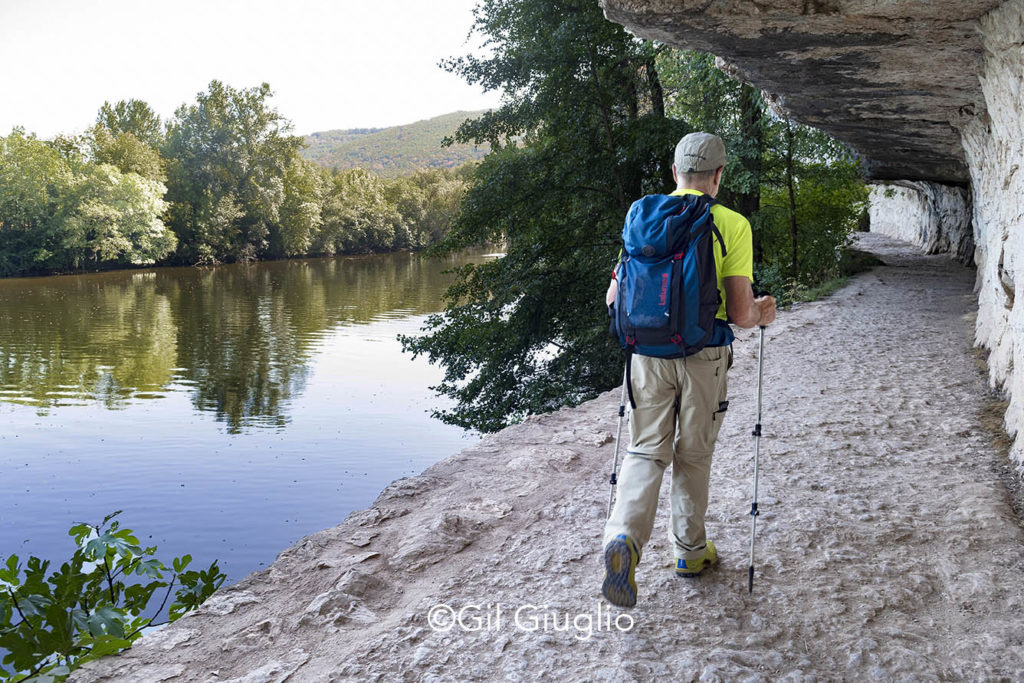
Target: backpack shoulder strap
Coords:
[(711, 201), (721, 240)]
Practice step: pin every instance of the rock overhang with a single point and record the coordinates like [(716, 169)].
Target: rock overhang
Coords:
[(895, 80)]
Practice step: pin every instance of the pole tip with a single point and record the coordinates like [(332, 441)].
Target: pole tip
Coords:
[(750, 580)]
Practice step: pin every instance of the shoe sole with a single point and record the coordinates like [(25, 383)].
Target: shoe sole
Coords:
[(690, 575), (694, 574), (619, 586)]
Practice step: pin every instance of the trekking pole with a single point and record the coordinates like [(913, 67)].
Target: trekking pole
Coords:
[(618, 432), (757, 448)]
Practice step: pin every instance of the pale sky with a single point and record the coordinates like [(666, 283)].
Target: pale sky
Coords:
[(340, 64)]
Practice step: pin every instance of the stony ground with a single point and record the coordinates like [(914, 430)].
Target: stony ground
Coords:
[(886, 549)]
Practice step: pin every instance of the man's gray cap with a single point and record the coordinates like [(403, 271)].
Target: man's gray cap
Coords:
[(698, 152)]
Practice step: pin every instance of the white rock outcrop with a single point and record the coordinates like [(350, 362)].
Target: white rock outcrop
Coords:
[(994, 147), (933, 216)]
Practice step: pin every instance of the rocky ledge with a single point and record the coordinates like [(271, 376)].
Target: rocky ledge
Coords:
[(894, 80), (886, 549)]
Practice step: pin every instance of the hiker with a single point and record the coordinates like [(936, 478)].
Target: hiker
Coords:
[(678, 403)]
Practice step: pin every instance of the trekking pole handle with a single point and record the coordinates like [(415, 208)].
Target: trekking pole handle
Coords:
[(758, 293)]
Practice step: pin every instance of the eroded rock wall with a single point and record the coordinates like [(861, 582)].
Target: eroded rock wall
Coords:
[(891, 79), (994, 149), (933, 216)]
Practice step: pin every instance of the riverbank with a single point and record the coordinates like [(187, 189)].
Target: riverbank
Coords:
[(156, 267), (887, 547)]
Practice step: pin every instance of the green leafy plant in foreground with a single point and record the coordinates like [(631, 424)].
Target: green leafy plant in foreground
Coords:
[(93, 605)]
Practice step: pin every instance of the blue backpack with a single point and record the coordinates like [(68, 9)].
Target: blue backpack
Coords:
[(668, 284)]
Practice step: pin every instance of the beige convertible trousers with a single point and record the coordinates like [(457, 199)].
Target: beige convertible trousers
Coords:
[(680, 405)]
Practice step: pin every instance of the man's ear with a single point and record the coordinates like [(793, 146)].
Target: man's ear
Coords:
[(675, 176), (718, 175)]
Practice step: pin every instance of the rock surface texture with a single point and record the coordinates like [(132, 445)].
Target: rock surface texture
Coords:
[(886, 547), (994, 144), (891, 79), (922, 90), (935, 217)]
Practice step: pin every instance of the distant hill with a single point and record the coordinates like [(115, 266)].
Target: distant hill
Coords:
[(396, 151)]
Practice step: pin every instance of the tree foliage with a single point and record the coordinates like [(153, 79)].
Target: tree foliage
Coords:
[(224, 175), (583, 132), (227, 156), (580, 134), (801, 189), (813, 196), (134, 117), (94, 604), (115, 218), (127, 152), (357, 215), (58, 212)]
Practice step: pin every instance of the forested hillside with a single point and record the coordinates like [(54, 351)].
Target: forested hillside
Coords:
[(396, 151)]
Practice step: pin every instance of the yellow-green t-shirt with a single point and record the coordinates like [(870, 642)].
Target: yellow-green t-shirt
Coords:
[(739, 246)]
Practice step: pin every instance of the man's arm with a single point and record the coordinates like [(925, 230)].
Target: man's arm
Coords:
[(613, 291), (741, 306)]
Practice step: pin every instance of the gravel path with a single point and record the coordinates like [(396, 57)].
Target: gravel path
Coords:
[(887, 548)]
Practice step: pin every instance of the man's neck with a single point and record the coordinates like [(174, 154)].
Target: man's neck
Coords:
[(704, 190)]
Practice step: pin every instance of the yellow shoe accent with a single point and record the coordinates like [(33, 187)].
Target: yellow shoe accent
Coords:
[(691, 568)]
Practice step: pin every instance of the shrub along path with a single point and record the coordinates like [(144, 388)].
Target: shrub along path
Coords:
[(886, 545)]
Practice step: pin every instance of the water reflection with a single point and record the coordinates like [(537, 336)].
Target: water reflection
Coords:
[(237, 339)]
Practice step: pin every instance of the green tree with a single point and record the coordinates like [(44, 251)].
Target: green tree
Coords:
[(581, 133), (800, 188), (134, 117), (126, 152), (58, 212), (128, 135), (227, 156), (34, 184), (301, 213), (813, 197), (115, 219), (428, 203), (357, 217)]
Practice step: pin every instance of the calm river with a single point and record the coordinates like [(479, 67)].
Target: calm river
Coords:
[(227, 411)]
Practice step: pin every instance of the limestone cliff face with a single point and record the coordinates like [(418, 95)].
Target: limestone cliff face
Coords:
[(892, 79), (994, 147), (929, 93), (935, 217)]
